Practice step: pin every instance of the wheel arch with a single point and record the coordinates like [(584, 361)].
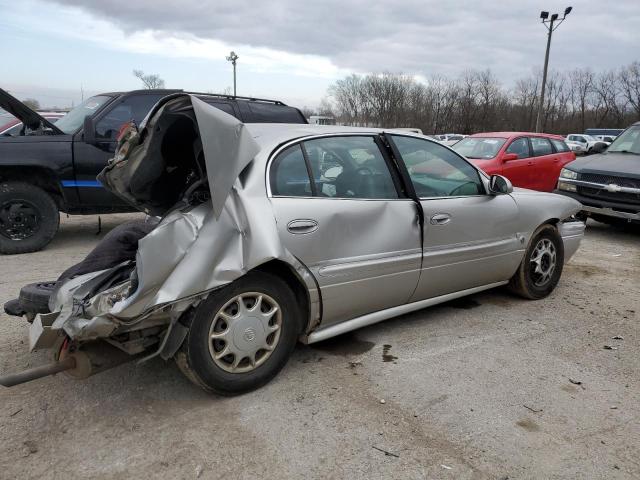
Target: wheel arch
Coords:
[(41, 177), (304, 288)]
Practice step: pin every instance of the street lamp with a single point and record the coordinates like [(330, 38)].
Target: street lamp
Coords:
[(233, 58), (549, 24)]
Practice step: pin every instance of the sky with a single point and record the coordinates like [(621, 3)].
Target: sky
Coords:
[(292, 50)]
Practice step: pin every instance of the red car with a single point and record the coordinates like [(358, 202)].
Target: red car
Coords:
[(529, 160)]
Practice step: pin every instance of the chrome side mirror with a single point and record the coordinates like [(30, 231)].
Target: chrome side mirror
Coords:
[(499, 185)]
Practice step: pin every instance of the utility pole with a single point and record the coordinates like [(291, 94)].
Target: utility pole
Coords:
[(233, 59), (549, 24)]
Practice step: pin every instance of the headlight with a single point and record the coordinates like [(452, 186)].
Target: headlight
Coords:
[(566, 173), (569, 187)]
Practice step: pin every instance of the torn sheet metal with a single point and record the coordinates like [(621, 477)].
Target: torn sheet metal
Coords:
[(193, 249)]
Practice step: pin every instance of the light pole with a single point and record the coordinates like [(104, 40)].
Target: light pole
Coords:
[(549, 24), (233, 58)]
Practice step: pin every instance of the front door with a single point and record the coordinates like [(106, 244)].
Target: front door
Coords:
[(519, 171), (469, 239), (338, 210)]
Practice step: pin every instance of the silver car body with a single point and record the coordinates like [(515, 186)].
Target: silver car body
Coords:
[(359, 261)]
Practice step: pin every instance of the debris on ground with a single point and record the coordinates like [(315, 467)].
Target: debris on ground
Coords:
[(388, 454), (15, 413), (617, 337), (446, 466), (199, 471), (534, 410), (382, 400), (575, 382), (30, 447), (610, 347)]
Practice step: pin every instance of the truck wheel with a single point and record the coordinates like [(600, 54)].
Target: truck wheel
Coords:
[(241, 336), (29, 218), (541, 267)]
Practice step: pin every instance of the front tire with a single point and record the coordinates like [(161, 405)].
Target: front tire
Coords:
[(541, 268), (29, 218), (241, 336)]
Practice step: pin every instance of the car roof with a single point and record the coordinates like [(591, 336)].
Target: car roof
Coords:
[(517, 134), (169, 91), (268, 134)]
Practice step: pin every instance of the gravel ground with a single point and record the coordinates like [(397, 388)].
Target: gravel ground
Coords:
[(489, 386)]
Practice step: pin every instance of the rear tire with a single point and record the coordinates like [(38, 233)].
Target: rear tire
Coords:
[(541, 268), (29, 218), (259, 336)]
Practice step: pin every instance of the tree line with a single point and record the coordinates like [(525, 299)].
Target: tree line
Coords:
[(477, 101)]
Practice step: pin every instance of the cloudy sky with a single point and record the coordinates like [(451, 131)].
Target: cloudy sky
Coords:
[(292, 49)]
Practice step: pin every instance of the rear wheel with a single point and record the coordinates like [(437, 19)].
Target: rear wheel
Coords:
[(29, 218), (241, 336), (540, 269)]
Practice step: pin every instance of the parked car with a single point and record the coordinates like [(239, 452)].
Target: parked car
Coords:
[(273, 233), (576, 147), (53, 167), (587, 141), (608, 132), (607, 183), (449, 139), (528, 160), (14, 127)]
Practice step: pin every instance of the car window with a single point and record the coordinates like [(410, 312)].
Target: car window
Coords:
[(436, 171), (541, 146), (133, 108), (479, 147), (349, 167), (73, 120), (520, 146), (560, 145), (272, 113), (289, 174)]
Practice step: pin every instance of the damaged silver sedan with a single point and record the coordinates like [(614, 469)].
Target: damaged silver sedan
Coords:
[(272, 234)]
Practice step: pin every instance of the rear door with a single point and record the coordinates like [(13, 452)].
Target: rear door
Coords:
[(520, 170), (469, 237), (350, 226), (89, 160), (545, 161)]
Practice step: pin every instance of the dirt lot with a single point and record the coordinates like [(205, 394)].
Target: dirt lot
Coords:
[(489, 386)]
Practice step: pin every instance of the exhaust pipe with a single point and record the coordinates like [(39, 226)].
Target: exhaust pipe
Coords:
[(37, 372), (89, 360)]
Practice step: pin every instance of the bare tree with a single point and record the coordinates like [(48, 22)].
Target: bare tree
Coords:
[(150, 81), (630, 86), (32, 103)]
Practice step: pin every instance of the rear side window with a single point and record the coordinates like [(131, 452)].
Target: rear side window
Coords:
[(289, 174), (224, 106), (341, 167), (520, 146), (272, 113), (541, 146), (560, 145)]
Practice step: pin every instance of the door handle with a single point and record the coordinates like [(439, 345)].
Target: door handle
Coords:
[(301, 226), (529, 163), (440, 219)]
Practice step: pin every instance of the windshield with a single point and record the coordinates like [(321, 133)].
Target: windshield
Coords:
[(627, 142), (73, 120), (590, 138), (479, 147)]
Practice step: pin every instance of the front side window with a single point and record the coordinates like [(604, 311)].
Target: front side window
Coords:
[(341, 167), (133, 108), (436, 171), (482, 148), (541, 146), (73, 120), (520, 146)]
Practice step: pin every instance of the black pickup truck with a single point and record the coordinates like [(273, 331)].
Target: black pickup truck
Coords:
[(608, 183), (51, 168)]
